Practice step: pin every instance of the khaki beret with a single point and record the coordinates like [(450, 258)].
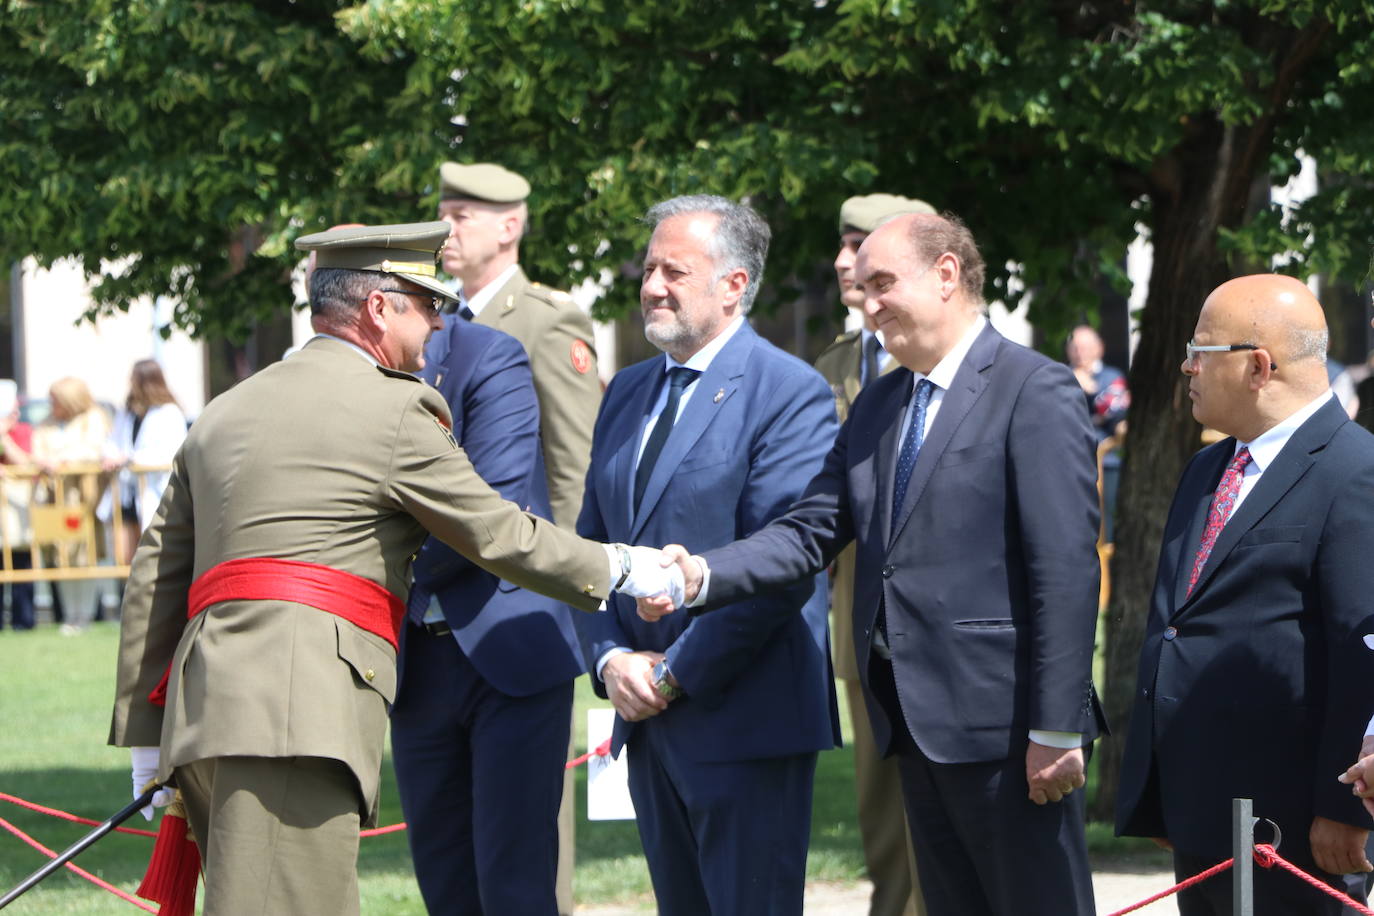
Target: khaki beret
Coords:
[(409, 250), (864, 214), (482, 181)]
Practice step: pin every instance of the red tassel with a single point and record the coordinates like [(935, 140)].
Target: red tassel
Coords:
[(173, 869)]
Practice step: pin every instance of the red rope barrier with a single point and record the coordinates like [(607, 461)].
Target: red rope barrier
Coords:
[(601, 750), (104, 885), (1266, 856), (1182, 885), (54, 812)]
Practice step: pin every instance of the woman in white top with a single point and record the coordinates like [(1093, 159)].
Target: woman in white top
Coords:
[(148, 430), (1360, 777)]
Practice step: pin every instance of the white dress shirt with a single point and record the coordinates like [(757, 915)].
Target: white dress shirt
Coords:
[(483, 296)]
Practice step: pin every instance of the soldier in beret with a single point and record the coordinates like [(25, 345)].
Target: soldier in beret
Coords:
[(258, 642), (854, 359), (484, 205)]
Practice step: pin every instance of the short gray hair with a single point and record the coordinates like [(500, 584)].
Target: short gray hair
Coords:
[(1307, 343), (335, 293), (740, 239)]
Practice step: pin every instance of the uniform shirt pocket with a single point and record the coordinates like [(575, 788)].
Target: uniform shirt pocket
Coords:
[(371, 658)]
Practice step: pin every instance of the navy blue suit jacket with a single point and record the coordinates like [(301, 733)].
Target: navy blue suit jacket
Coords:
[(520, 641), (757, 673), (989, 572), (1258, 684)]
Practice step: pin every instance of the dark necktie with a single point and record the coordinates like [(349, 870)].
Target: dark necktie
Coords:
[(1223, 501), (911, 445), (464, 312), (871, 348), (678, 379)]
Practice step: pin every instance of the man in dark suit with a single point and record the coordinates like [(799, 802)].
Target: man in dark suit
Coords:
[(480, 727), (724, 714), (966, 480), (1254, 681)]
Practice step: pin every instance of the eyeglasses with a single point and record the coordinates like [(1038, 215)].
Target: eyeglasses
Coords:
[(436, 303), (1191, 350)]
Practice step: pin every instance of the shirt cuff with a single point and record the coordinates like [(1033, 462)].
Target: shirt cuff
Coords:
[(1369, 730), (700, 599), (601, 662), (1065, 741)]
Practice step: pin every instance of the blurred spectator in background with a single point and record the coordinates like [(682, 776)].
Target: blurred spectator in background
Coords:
[(148, 430), (16, 439), (74, 432), (1108, 399)]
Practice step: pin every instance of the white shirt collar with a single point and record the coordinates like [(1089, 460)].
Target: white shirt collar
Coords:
[(347, 343), (483, 296), (942, 376), (1266, 447), (701, 359)]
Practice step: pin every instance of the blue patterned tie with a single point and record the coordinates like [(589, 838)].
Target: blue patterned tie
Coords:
[(911, 445)]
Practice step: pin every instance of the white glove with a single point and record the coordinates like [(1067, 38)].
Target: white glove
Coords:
[(648, 577), (145, 766)]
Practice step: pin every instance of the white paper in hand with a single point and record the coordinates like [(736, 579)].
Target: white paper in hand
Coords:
[(608, 780)]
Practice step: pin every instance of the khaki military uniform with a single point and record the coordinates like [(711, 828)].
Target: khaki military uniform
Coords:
[(557, 335), (327, 459), (882, 821)]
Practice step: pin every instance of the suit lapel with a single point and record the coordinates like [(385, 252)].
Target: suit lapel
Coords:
[(1287, 468), (713, 389), (964, 391)]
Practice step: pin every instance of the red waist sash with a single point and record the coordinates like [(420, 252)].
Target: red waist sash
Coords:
[(360, 601)]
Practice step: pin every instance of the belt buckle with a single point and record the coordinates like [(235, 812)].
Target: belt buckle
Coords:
[(437, 628)]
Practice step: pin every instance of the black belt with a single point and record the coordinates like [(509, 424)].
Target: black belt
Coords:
[(437, 628)]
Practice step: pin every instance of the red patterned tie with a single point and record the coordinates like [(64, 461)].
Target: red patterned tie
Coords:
[(1223, 501)]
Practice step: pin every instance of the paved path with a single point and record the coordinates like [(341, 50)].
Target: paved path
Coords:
[(1116, 884)]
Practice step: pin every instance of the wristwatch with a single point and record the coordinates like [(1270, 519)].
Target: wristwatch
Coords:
[(662, 684), (625, 564)]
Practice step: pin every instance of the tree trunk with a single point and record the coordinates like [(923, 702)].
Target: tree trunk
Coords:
[(1203, 186)]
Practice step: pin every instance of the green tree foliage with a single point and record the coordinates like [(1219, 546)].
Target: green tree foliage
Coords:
[(189, 141)]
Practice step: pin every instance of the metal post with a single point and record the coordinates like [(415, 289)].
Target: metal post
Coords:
[(1243, 848)]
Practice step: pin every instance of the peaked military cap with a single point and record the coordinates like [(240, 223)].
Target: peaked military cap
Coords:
[(482, 181), (409, 250), (866, 213)]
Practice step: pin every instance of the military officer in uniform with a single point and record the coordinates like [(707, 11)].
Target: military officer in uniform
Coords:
[(851, 362), (258, 642), (484, 204)]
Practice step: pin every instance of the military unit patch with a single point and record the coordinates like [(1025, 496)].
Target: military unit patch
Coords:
[(581, 357)]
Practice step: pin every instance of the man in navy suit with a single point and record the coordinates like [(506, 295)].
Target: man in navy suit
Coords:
[(1254, 680), (480, 727), (723, 715), (966, 481)]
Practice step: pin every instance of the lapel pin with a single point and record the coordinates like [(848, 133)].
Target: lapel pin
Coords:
[(719, 395)]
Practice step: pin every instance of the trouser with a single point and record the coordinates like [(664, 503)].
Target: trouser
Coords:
[(888, 853), (480, 775), (722, 839), (983, 847), (278, 836)]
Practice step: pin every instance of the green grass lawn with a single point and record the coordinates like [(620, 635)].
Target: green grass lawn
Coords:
[(56, 711)]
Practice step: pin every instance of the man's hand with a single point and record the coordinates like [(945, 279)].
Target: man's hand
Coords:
[(1360, 776), (629, 680), (1338, 848), (1053, 772), (675, 558), (145, 764), (651, 578)]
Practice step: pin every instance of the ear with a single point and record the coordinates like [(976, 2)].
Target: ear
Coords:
[(735, 282), (948, 269), (1260, 368), (374, 312), (508, 229)]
